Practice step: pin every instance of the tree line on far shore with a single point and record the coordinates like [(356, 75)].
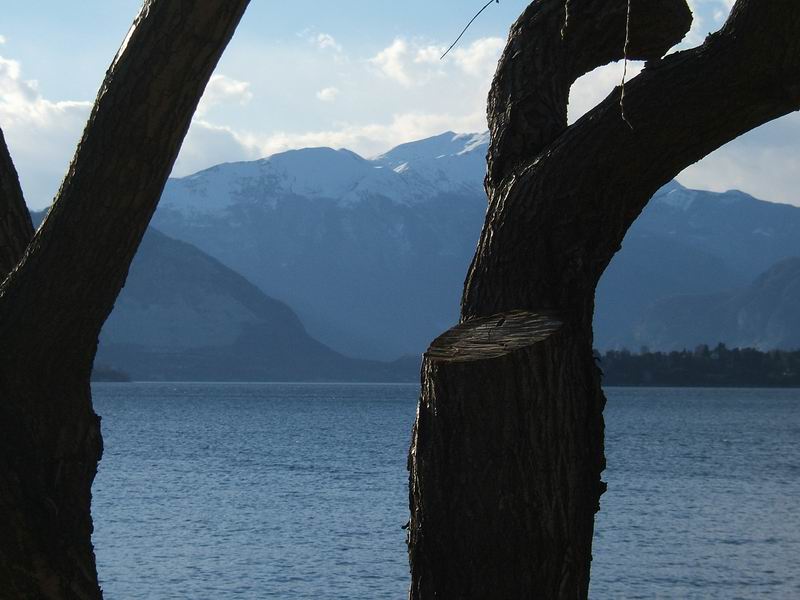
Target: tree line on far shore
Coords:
[(704, 366)]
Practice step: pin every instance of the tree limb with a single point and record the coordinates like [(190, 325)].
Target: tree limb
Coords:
[(568, 214), (545, 55), (507, 447), (66, 285), (463, 31), (16, 229)]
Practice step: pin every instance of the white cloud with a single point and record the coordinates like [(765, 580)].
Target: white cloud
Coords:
[(224, 90), (432, 96), (479, 59), (372, 138), (594, 87), (41, 134), (429, 54), (326, 41), (413, 64), (764, 163), (208, 144), (2, 39), (404, 92), (392, 62), (328, 94)]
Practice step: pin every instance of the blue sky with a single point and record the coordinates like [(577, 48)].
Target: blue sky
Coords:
[(361, 74)]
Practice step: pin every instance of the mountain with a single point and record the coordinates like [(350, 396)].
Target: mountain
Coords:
[(762, 315), (183, 315), (372, 253), (689, 242)]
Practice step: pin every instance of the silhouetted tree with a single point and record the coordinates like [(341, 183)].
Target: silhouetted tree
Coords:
[(62, 282), (507, 447)]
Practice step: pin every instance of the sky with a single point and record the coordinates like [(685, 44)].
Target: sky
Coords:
[(358, 74)]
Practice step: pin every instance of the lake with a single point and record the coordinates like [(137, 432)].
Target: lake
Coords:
[(215, 491)]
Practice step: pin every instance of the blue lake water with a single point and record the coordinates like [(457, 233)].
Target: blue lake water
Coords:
[(215, 491)]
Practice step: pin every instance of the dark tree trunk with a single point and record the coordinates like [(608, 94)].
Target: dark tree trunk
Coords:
[(506, 460), (507, 448), (56, 299), (16, 229)]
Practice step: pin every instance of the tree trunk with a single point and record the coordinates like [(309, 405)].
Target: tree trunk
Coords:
[(16, 229), (506, 460), (56, 299), (507, 448)]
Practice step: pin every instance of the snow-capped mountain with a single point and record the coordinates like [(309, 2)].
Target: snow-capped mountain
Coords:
[(689, 242), (411, 173), (372, 253)]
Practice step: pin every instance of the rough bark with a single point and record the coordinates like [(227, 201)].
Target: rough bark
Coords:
[(505, 467), (55, 301), (16, 229), (507, 450), (549, 48)]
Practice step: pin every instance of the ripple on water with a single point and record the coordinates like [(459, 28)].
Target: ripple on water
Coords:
[(299, 491)]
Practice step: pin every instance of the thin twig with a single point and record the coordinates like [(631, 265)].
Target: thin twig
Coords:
[(566, 19), (467, 27), (625, 66)]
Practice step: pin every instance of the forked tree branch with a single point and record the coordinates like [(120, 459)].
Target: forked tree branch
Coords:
[(547, 51), (507, 447), (76, 264), (570, 205)]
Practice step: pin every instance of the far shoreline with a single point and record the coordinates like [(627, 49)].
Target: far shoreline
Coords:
[(417, 383)]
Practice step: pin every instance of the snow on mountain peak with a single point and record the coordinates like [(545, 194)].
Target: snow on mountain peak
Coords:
[(436, 147), (408, 174)]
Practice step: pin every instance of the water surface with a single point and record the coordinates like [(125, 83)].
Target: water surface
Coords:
[(299, 491)]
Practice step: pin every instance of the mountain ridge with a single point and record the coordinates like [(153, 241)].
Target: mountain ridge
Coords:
[(762, 315), (184, 316), (373, 270), (378, 272)]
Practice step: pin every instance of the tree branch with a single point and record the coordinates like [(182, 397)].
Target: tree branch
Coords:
[(544, 56), (570, 209), (16, 229), (66, 285), (463, 31)]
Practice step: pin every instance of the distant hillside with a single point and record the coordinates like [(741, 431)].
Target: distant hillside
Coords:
[(764, 315), (689, 242), (372, 253), (182, 315), (185, 316)]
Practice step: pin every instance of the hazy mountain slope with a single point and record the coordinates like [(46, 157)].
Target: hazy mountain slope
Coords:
[(651, 266), (750, 235), (184, 315), (690, 242), (764, 315), (372, 254)]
